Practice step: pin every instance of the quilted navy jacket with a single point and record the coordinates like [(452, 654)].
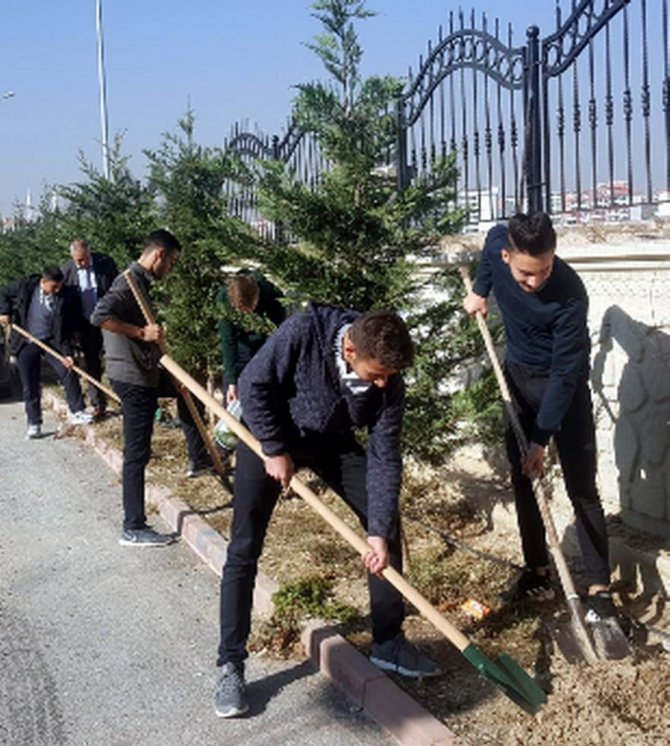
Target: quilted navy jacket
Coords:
[(291, 388)]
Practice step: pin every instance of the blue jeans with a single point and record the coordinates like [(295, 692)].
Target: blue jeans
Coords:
[(138, 404), (341, 463), (29, 361), (576, 444)]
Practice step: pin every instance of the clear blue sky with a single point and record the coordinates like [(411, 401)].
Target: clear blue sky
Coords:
[(233, 59)]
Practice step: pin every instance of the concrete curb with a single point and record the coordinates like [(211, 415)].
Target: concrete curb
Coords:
[(389, 706)]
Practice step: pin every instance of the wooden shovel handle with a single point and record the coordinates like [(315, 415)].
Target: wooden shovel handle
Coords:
[(456, 637), (79, 371)]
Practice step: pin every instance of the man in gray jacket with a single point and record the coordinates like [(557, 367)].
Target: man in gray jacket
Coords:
[(132, 353)]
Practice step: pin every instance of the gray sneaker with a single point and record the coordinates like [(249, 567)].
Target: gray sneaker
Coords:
[(231, 691), (402, 657), (145, 537), (33, 432), (81, 418)]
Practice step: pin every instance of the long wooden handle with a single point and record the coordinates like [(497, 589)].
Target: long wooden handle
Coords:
[(144, 305), (79, 371), (149, 317), (454, 635)]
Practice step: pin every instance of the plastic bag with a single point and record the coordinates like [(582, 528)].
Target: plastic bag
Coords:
[(223, 435)]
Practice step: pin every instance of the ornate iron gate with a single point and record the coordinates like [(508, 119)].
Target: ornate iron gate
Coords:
[(576, 123)]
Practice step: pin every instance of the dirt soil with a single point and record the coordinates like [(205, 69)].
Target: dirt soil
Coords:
[(611, 703)]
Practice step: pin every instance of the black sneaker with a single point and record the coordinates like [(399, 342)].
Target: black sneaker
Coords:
[(145, 537), (530, 585), (402, 657), (600, 607), (231, 691), (194, 470)]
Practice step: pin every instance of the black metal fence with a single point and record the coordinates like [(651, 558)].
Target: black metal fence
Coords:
[(576, 123)]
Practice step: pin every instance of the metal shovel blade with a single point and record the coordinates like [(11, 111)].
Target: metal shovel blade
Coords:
[(609, 639), (506, 674)]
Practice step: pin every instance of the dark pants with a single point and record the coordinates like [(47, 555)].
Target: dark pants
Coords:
[(29, 361), (341, 463), (576, 444), (90, 343), (138, 405)]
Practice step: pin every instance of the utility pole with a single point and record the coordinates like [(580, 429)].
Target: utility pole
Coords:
[(104, 122)]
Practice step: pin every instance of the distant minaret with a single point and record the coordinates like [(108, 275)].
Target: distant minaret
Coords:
[(31, 212)]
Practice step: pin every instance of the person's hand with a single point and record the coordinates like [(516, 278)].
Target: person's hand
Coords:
[(68, 361), (151, 333), (533, 464), (474, 303), (280, 468), (377, 557), (4, 320), (231, 393)]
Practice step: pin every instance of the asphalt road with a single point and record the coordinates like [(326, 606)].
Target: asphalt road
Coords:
[(109, 645)]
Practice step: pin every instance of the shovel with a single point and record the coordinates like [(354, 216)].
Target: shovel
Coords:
[(609, 638), (79, 371), (504, 672)]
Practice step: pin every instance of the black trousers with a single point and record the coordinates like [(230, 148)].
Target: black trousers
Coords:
[(576, 444), (29, 361), (342, 464), (90, 343), (138, 405)]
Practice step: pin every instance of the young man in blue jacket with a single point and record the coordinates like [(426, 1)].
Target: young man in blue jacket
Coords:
[(544, 308), (323, 373)]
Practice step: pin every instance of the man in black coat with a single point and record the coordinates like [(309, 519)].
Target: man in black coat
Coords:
[(89, 275), (320, 376), (39, 305)]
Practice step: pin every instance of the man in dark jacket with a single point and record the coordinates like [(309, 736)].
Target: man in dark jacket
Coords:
[(90, 276), (256, 312), (544, 310), (323, 373), (39, 305), (132, 353)]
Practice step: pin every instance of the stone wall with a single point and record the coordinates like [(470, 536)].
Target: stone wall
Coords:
[(628, 282)]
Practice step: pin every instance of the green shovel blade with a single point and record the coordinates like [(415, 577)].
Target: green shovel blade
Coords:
[(509, 677)]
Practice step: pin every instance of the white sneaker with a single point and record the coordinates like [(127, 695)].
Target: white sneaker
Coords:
[(81, 418), (33, 431)]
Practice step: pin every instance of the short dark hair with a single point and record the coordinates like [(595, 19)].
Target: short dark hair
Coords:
[(383, 336), (163, 239), (52, 273), (531, 234)]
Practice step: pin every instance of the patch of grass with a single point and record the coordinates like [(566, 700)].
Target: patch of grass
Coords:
[(436, 576), (309, 597), (305, 598)]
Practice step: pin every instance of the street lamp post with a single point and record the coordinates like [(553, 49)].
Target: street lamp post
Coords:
[(104, 122)]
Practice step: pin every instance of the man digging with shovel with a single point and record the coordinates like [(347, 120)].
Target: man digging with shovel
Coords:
[(544, 310), (323, 373)]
